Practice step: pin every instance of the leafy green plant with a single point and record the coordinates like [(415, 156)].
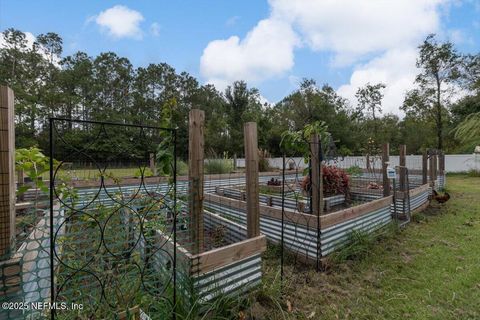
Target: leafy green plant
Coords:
[(469, 129), (298, 142), (164, 156), (354, 171), (33, 163), (182, 167)]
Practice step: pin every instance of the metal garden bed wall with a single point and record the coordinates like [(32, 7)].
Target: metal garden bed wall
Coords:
[(232, 266), (289, 200), (300, 230)]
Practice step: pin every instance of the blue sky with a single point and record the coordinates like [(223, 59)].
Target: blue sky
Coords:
[(271, 44)]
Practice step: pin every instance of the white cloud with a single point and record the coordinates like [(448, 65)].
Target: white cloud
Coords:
[(378, 37), (396, 68), (121, 22), (354, 28), (155, 29), (266, 51)]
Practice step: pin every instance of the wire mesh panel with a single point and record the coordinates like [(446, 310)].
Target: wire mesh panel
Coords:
[(112, 234)]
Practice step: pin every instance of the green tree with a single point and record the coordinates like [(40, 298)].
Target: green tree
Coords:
[(440, 66), (370, 103)]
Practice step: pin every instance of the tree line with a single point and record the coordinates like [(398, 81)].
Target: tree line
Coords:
[(108, 87)]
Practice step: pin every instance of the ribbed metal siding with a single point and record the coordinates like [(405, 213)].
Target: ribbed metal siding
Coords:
[(290, 202), (300, 239), (297, 238), (335, 237), (236, 277)]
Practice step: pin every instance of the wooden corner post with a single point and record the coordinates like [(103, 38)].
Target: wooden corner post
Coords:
[(196, 125), (385, 162), (251, 166), (425, 167), (317, 185), (7, 171), (403, 169), (431, 169)]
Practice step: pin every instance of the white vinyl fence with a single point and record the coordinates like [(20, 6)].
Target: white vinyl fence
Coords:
[(453, 162)]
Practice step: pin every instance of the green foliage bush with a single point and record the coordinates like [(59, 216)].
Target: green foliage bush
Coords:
[(182, 167), (354, 171), (218, 166)]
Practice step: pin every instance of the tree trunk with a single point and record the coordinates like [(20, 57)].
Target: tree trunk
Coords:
[(439, 115)]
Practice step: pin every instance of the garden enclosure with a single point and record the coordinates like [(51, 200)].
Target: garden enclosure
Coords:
[(155, 243), (315, 214), (145, 248)]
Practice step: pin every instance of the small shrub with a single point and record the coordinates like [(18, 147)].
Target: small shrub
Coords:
[(263, 164), (335, 180), (218, 166), (354, 171), (182, 167)]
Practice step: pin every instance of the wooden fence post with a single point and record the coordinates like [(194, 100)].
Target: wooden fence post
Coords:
[(251, 166), (403, 170), (316, 183), (425, 167), (7, 171), (368, 162), (435, 166), (234, 161), (153, 167), (196, 125), (385, 161), (431, 165)]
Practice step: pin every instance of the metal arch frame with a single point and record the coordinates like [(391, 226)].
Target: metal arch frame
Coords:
[(52, 194)]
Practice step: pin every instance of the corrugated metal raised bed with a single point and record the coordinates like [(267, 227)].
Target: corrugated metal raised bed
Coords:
[(301, 230), (231, 267)]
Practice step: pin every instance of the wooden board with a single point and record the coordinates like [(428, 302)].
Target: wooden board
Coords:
[(307, 220), (7, 171), (354, 212), (216, 258), (251, 179), (195, 177)]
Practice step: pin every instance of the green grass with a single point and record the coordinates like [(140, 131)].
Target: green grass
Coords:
[(91, 174), (430, 270)]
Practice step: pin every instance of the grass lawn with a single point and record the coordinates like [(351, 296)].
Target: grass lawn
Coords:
[(89, 174), (430, 270)]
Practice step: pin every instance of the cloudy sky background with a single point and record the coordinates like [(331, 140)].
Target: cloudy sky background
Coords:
[(270, 44)]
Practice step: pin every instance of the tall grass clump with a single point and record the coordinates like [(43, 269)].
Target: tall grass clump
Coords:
[(359, 245), (474, 173), (218, 166)]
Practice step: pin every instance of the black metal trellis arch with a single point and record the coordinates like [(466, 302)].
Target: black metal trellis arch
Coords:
[(105, 253)]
